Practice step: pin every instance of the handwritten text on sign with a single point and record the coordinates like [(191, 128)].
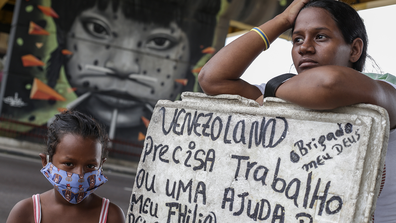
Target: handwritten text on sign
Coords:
[(203, 167)]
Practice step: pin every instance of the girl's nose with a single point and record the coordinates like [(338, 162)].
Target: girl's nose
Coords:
[(124, 62), (79, 171)]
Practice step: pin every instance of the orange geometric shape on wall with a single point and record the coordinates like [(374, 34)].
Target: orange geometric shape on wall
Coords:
[(145, 121), (181, 81), (196, 70), (48, 11), (208, 50), (70, 90), (39, 45), (66, 52), (35, 29), (31, 61), (141, 136), (41, 91), (62, 109)]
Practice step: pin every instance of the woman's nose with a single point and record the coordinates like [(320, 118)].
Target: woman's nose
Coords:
[(307, 47), (123, 62)]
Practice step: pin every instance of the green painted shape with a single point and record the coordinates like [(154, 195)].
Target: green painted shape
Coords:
[(19, 41), (385, 77), (29, 8)]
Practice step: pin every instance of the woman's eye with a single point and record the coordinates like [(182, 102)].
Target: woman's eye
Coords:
[(159, 43), (297, 40), (320, 37), (96, 28), (69, 164)]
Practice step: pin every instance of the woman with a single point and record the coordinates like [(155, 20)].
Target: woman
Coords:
[(329, 52)]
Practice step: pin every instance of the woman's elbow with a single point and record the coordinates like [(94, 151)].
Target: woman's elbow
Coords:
[(206, 83), (326, 81)]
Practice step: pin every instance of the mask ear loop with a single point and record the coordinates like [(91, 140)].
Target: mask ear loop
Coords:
[(101, 168), (47, 158)]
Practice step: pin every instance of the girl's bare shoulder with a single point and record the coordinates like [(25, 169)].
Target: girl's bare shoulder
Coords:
[(22, 212), (115, 214)]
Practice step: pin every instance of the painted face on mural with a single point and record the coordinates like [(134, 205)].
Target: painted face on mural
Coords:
[(125, 64)]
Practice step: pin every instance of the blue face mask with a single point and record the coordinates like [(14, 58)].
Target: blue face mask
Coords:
[(73, 187)]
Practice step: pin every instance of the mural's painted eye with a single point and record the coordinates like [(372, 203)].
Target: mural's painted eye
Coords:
[(96, 28), (160, 43)]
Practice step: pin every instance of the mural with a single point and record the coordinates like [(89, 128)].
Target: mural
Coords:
[(112, 59)]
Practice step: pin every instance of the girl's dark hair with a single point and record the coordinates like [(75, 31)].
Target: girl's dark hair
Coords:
[(76, 123), (348, 21)]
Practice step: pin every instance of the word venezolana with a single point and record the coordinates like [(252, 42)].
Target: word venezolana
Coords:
[(269, 133)]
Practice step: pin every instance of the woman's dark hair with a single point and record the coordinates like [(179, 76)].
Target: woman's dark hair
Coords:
[(348, 21), (76, 123)]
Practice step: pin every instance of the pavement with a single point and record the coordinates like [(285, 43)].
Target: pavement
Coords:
[(32, 150)]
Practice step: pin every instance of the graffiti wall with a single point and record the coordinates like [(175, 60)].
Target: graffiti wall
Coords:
[(112, 59)]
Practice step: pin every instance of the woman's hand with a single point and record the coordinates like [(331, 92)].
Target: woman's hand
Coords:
[(291, 12), (221, 74)]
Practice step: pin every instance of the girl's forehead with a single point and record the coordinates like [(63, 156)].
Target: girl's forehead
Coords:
[(76, 145)]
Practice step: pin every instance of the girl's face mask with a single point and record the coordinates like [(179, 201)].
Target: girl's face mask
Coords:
[(73, 187)]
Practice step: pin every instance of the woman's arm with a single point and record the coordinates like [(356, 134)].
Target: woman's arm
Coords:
[(324, 87), (329, 87), (221, 75)]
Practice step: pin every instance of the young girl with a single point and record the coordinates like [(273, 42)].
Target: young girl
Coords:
[(329, 52), (76, 151)]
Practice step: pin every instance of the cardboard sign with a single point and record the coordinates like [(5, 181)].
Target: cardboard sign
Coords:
[(227, 159)]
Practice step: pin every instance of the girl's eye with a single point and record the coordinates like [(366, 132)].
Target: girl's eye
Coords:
[(91, 166), (69, 164), (96, 28), (160, 43), (320, 37)]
